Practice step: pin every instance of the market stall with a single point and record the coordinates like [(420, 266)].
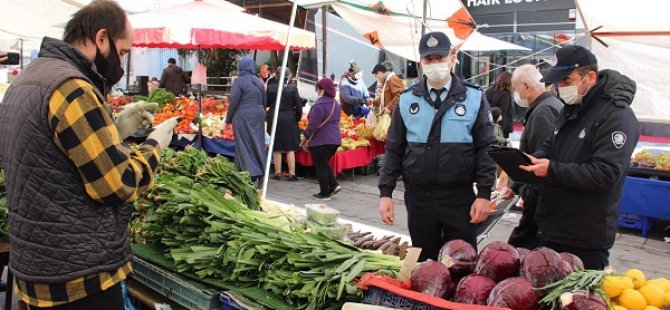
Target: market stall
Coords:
[(359, 147), (646, 191), (345, 160)]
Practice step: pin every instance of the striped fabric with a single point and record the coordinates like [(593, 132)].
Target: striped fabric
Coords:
[(51, 295)]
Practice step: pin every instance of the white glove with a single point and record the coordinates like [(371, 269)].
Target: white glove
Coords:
[(134, 117), (163, 133)]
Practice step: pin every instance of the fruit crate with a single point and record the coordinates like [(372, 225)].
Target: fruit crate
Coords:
[(639, 222), (381, 297), (189, 294)]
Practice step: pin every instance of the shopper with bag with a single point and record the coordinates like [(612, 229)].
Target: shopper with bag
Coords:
[(323, 137), (384, 105)]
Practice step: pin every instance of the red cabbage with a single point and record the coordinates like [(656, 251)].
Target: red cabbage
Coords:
[(463, 256), (431, 278), (542, 266), (582, 300), (522, 253), (474, 289), (498, 261), (514, 293), (573, 260)]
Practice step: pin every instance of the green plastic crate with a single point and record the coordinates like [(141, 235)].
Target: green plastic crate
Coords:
[(189, 294)]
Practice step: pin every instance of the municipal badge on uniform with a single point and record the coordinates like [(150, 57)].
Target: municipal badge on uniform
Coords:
[(619, 139), (432, 42), (460, 111), (414, 108)]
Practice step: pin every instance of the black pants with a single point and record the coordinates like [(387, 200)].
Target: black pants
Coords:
[(593, 259), (434, 220), (525, 234), (109, 299), (321, 154)]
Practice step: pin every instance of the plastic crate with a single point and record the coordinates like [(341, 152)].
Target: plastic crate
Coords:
[(189, 294), (639, 222), (381, 297), (228, 303)]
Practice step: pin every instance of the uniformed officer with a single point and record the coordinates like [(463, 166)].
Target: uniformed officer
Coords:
[(586, 159), (439, 135)]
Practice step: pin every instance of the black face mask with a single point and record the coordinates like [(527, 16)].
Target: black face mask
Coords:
[(110, 67)]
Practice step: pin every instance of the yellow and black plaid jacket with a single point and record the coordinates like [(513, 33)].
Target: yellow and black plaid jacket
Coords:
[(112, 173)]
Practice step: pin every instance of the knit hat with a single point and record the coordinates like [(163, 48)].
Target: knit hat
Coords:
[(354, 67), (327, 85), (495, 112)]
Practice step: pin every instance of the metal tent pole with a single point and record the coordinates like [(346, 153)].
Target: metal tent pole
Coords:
[(280, 89)]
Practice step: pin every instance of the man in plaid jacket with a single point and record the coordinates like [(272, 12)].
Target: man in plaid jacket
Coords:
[(71, 180)]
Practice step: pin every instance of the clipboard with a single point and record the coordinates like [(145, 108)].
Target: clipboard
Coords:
[(509, 159)]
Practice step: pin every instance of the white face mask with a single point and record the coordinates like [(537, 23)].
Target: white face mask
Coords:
[(521, 102), (436, 72), (358, 76), (570, 94)]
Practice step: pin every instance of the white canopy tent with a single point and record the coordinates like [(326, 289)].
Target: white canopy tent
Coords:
[(637, 35), (396, 25)]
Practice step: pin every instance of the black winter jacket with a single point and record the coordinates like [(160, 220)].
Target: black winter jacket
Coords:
[(590, 152)]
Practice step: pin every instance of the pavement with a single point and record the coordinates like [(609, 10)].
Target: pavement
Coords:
[(359, 201)]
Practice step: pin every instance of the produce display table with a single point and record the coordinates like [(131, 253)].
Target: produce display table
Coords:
[(645, 199), (209, 144), (349, 159)]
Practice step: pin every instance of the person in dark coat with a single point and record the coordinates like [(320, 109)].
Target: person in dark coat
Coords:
[(247, 114), (500, 95), (174, 78), (543, 109), (586, 159), (323, 134), (287, 137)]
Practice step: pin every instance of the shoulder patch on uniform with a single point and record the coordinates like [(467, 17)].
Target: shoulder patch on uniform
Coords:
[(618, 139), (472, 85)]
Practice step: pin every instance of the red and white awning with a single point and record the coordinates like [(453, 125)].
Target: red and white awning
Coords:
[(201, 24)]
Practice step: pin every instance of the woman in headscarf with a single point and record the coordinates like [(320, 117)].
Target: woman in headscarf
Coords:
[(324, 137), (247, 114)]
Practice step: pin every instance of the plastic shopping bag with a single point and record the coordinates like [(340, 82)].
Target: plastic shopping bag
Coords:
[(371, 119), (382, 127)]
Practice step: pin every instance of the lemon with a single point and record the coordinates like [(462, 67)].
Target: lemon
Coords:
[(651, 308), (618, 307), (627, 282), (653, 295), (663, 283), (632, 300), (667, 298), (613, 286), (637, 276)]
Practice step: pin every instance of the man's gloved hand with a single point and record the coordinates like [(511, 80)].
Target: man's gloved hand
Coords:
[(163, 133), (134, 117)]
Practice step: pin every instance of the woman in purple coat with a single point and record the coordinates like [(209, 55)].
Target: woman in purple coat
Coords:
[(323, 132)]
